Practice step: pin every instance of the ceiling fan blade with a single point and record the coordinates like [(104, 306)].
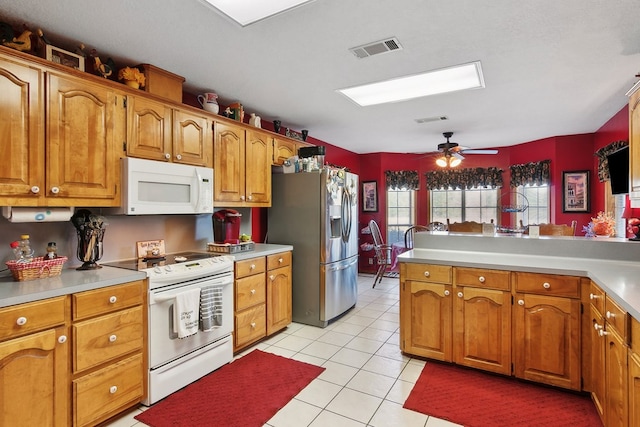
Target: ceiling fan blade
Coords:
[(457, 155), (472, 151)]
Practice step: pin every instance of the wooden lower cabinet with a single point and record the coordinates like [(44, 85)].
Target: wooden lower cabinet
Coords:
[(108, 359), (426, 309), (548, 340), (34, 354), (597, 366), (482, 329), (262, 298), (634, 388), (279, 292), (616, 372)]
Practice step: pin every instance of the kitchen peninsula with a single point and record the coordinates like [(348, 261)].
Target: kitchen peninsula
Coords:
[(562, 311)]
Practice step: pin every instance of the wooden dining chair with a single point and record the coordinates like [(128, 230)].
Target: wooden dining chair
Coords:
[(382, 251), (465, 226), (556, 229), (408, 235)]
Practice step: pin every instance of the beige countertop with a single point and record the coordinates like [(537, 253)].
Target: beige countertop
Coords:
[(611, 264)]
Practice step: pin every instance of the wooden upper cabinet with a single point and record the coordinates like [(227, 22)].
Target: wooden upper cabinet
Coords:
[(634, 144), (148, 129), (21, 131), (228, 169), (86, 126), (158, 132), (242, 166), (283, 149), (192, 140), (258, 168)]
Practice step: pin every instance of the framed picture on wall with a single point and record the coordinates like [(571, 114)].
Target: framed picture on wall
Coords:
[(370, 196), (575, 191)]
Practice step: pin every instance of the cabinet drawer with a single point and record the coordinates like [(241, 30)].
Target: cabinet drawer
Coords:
[(103, 393), (107, 300), (24, 318), (278, 260), (429, 273), (616, 316), (250, 291), (548, 284), (596, 297), (478, 277), (251, 325), (250, 266), (104, 338)]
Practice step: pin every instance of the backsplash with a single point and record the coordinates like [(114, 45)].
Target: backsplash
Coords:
[(180, 232)]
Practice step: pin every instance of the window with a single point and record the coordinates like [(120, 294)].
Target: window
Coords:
[(476, 204), (537, 197), (401, 214)]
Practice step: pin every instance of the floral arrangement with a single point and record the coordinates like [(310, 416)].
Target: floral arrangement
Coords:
[(132, 74), (602, 225)]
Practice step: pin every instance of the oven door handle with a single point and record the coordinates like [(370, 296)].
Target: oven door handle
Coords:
[(163, 298)]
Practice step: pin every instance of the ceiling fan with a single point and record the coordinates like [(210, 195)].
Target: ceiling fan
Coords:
[(452, 153)]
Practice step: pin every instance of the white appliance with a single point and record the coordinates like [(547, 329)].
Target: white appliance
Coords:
[(176, 362), (151, 187), (317, 213)]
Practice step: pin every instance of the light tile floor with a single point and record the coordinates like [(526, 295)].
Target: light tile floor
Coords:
[(367, 378)]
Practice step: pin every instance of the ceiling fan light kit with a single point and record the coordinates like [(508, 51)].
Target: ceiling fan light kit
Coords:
[(452, 152)]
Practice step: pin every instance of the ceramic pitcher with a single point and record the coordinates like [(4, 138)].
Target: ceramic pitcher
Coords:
[(209, 102)]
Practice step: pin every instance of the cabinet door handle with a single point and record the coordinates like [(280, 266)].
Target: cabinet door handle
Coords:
[(280, 260), (253, 325), (427, 274), (447, 293), (597, 327), (35, 189), (546, 285), (113, 299), (178, 156), (460, 294), (253, 266), (242, 198), (253, 291), (113, 338), (520, 302), (272, 277), (62, 339), (55, 190), (167, 156), (21, 321), (602, 332), (113, 389), (250, 197), (610, 315), (481, 279), (593, 296)]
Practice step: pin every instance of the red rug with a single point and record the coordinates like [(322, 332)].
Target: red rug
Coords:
[(244, 393), (479, 399)]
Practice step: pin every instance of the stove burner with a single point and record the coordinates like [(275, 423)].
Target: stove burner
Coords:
[(167, 259)]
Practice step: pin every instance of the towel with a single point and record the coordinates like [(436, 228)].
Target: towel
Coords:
[(210, 308), (186, 312)]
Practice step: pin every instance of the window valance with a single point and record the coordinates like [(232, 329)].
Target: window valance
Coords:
[(532, 173), (602, 153), (463, 179), (402, 180)]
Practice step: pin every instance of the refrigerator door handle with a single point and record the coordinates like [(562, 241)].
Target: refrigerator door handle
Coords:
[(346, 216)]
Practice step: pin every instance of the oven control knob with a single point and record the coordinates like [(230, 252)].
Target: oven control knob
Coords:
[(168, 268), (157, 270)]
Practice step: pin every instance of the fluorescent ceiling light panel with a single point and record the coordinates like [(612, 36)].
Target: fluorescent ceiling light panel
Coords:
[(451, 79), (246, 12)]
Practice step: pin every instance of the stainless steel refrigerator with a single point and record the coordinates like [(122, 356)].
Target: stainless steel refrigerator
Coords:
[(317, 213)]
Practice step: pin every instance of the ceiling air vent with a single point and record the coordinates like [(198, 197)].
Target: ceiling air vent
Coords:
[(370, 49), (431, 119)]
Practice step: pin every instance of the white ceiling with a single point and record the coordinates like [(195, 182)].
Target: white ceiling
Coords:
[(551, 67)]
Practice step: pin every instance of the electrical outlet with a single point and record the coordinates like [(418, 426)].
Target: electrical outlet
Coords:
[(370, 261)]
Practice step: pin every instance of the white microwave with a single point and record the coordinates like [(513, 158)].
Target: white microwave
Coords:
[(151, 187)]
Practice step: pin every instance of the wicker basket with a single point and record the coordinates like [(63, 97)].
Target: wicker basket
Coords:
[(39, 268)]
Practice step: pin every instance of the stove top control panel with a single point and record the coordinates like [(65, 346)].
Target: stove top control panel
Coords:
[(191, 268)]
